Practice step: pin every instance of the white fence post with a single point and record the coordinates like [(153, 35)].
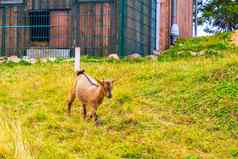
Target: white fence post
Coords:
[(158, 26), (77, 59)]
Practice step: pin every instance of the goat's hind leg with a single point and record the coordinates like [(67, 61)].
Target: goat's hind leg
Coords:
[(84, 111), (70, 101)]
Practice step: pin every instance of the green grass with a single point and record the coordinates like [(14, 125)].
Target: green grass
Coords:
[(183, 108), (208, 46)]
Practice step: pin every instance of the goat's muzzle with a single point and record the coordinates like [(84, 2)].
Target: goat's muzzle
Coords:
[(109, 95)]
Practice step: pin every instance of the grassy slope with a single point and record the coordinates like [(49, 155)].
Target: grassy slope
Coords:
[(172, 108)]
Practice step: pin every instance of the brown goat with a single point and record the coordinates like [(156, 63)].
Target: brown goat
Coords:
[(90, 93)]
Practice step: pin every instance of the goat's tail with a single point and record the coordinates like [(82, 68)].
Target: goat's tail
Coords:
[(80, 72)]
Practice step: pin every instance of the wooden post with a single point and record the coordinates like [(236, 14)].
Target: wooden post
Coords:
[(158, 25), (77, 59)]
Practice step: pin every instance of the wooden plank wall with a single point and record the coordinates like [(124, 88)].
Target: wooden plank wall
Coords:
[(184, 17), (1, 14), (60, 31), (86, 27), (184, 20), (23, 34), (107, 26), (11, 40), (96, 28), (165, 23), (19, 38), (16, 37)]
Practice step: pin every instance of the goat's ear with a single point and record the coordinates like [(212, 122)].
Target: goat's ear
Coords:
[(100, 82)]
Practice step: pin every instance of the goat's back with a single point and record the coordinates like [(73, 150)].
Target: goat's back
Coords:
[(85, 88), (83, 82)]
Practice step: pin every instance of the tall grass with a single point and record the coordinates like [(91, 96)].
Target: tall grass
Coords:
[(12, 140)]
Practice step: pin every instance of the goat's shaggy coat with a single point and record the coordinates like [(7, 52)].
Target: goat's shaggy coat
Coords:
[(90, 92)]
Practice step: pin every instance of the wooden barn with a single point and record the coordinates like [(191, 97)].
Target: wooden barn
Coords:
[(40, 28)]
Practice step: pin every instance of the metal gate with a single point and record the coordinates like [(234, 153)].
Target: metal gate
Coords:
[(35, 33), (98, 27), (11, 31), (54, 33), (138, 26)]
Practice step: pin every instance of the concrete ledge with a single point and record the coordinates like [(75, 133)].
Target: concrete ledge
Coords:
[(45, 52)]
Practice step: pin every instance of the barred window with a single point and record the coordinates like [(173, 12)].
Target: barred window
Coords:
[(40, 25)]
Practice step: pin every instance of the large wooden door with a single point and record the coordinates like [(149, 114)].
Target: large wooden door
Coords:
[(8, 31), (13, 33), (60, 30), (96, 28)]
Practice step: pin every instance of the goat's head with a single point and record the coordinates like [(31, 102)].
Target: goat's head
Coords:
[(107, 85)]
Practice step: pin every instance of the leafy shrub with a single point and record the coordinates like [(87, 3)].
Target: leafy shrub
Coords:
[(211, 46)]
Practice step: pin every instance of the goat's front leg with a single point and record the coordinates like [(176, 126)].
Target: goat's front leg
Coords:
[(94, 113), (84, 111)]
